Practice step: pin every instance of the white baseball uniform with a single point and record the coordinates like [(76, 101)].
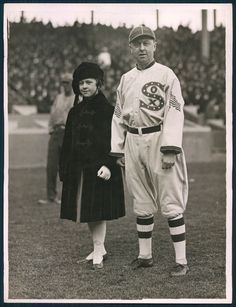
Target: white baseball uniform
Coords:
[(147, 98)]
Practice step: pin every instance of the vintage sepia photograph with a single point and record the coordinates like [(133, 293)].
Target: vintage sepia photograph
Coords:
[(118, 153)]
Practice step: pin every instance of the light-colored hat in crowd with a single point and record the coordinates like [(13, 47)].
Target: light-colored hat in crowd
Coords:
[(67, 77)]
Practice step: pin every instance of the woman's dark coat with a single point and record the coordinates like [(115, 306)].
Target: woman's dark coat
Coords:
[(86, 148)]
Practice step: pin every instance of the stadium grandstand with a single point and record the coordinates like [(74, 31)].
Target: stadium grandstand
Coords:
[(38, 53)]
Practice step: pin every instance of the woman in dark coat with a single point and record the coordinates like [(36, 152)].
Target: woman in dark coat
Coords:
[(92, 181)]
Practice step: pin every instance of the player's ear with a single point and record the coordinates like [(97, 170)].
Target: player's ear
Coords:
[(130, 48), (155, 45)]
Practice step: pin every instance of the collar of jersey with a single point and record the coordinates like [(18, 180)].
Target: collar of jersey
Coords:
[(149, 65)]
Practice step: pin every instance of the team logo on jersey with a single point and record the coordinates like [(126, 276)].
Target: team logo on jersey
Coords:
[(151, 91)]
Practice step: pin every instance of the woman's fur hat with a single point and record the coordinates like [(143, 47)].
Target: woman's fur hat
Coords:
[(86, 70)]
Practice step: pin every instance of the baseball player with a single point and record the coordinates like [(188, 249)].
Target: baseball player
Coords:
[(147, 129), (59, 111)]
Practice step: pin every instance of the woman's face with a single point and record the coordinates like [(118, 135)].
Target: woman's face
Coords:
[(88, 87)]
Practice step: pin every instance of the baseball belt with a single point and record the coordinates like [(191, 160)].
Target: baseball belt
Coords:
[(144, 130)]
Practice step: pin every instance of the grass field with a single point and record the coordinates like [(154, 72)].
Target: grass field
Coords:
[(43, 249)]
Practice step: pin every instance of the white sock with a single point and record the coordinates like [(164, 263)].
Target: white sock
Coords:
[(177, 232), (145, 227)]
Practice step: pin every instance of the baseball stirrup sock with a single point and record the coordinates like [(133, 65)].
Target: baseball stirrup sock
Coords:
[(177, 232), (145, 227)]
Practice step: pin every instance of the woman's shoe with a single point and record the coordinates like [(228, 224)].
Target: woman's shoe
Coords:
[(97, 266), (88, 259), (82, 261)]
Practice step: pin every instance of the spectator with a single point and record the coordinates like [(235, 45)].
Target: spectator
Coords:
[(104, 59), (35, 65), (63, 103)]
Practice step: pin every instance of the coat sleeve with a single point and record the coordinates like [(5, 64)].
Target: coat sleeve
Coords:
[(105, 137), (118, 129), (66, 149), (172, 132)]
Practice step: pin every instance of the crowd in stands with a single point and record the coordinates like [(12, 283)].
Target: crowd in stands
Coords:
[(38, 54)]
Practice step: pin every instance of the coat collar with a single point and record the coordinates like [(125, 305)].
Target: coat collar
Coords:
[(99, 97)]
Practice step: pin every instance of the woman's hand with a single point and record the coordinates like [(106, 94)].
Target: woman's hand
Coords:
[(168, 160), (104, 173), (121, 161)]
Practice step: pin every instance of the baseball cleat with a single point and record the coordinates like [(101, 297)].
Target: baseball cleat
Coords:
[(179, 270), (141, 263)]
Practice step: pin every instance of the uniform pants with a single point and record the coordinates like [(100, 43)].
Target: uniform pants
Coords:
[(54, 148), (150, 185)]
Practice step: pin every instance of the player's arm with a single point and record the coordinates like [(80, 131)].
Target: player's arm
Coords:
[(172, 125), (172, 131), (118, 129)]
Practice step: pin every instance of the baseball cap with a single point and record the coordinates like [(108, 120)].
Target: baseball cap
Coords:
[(67, 77), (141, 31)]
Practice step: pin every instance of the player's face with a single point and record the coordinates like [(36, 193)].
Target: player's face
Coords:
[(143, 50), (88, 87)]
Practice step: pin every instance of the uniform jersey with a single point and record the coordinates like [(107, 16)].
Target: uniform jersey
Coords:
[(147, 98)]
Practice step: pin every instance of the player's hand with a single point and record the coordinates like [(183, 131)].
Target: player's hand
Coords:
[(121, 161), (168, 160), (104, 173)]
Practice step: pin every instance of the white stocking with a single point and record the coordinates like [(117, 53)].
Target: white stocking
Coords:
[(98, 232)]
